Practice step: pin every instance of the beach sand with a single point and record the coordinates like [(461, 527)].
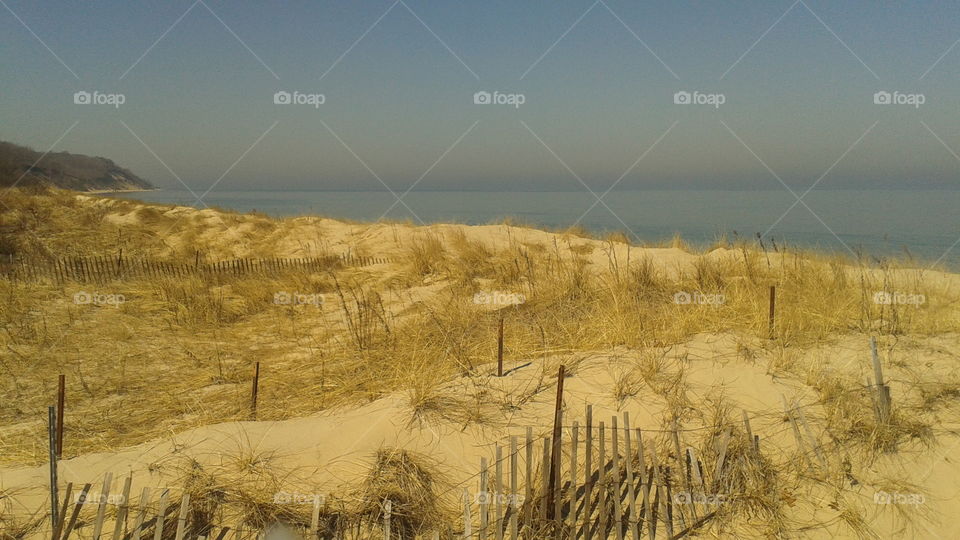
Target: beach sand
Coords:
[(715, 368)]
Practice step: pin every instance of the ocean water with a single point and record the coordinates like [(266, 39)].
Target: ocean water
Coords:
[(924, 225)]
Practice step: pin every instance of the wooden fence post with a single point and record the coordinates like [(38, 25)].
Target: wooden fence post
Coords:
[(773, 310), (500, 348), (254, 390), (61, 397), (52, 435), (881, 390), (557, 448)]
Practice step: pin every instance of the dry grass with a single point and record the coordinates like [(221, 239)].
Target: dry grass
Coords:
[(15, 524), (358, 346), (179, 353)]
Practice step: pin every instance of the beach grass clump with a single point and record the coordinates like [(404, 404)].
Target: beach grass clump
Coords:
[(412, 483)]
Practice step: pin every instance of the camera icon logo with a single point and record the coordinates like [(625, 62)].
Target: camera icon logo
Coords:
[(82, 98), (282, 98), (282, 298), (882, 98), (682, 98), (83, 298), (482, 98), (682, 298)]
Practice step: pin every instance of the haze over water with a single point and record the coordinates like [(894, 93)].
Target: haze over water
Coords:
[(851, 107)]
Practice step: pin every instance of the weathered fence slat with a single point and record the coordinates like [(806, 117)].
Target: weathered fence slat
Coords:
[(513, 505), (121, 518), (498, 494), (102, 507), (615, 455), (161, 515), (141, 513), (76, 511), (182, 517), (62, 515), (602, 500), (631, 490), (484, 499)]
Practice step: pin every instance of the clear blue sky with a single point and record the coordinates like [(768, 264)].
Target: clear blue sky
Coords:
[(400, 97)]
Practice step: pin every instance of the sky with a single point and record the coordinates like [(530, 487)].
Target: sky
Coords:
[(788, 91)]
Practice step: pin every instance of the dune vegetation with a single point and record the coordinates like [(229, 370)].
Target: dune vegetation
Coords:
[(658, 322)]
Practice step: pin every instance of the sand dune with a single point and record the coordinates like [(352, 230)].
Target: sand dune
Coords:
[(418, 374)]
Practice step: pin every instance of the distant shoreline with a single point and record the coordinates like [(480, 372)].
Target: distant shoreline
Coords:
[(105, 191)]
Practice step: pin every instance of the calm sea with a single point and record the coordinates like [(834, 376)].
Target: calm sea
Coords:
[(921, 224)]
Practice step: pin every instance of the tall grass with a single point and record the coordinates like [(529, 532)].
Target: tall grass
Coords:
[(179, 353)]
